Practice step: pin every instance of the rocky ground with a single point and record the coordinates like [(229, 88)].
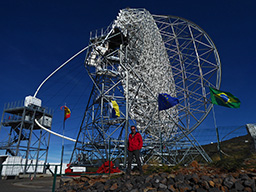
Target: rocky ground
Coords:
[(198, 178)]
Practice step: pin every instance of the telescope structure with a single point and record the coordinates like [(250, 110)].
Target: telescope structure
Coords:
[(137, 57)]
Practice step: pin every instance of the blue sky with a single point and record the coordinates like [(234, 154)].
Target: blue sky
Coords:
[(38, 36)]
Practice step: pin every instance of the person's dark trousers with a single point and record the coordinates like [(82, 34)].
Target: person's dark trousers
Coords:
[(135, 153)]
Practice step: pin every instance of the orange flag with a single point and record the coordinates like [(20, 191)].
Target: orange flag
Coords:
[(67, 112)]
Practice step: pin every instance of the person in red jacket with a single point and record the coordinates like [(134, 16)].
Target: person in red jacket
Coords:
[(134, 146)]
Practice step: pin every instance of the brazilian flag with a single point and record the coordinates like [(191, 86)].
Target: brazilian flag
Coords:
[(225, 99)]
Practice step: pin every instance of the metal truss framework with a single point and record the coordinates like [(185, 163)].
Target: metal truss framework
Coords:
[(137, 57), (26, 139)]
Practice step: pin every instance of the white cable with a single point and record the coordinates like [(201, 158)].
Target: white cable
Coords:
[(57, 134), (59, 69)]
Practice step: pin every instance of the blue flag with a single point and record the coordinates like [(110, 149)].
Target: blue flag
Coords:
[(165, 101)]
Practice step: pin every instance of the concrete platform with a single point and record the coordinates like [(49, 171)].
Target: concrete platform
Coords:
[(39, 184)]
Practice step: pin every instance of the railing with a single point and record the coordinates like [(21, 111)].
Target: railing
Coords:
[(100, 32), (18, 104), (15, 104)]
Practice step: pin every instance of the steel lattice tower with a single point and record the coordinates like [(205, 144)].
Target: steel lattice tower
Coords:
[(26, 139)]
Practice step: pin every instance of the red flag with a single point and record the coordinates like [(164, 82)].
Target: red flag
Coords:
[(67, 112)]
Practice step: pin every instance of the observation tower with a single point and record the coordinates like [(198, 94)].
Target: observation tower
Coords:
[(26, 139)]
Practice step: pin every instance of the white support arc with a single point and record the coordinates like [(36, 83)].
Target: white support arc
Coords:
[(71, 58), (54, 133)]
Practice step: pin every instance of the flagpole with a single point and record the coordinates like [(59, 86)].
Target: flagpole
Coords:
[(161, 139), (62, 150), (217, 132), (126, 113)]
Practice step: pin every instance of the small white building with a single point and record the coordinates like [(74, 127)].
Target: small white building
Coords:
[(14, 166)]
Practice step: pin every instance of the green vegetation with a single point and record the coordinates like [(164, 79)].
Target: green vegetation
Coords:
[(238, 147), (150, 169), (236, 153), (228, 164)]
